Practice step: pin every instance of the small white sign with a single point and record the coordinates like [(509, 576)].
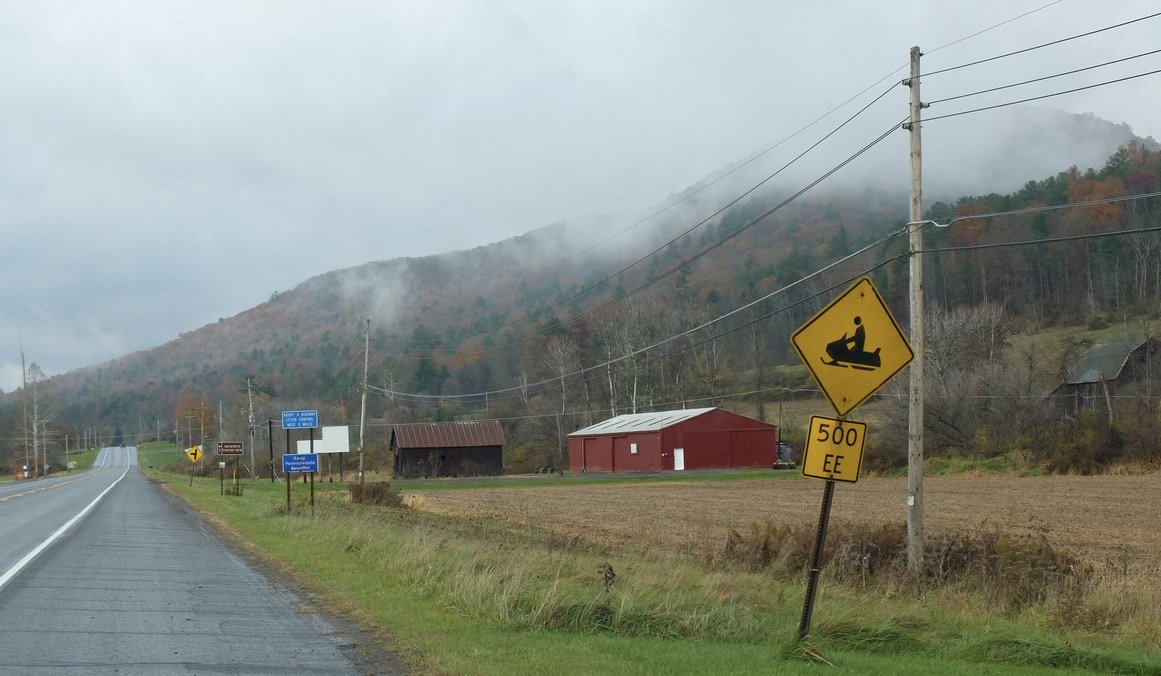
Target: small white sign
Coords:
[(333, 440)]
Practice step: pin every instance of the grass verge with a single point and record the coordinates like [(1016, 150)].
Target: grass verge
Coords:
[(479, 596)]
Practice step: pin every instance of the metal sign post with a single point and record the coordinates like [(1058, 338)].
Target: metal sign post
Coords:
[(270, 445), (852, 347), (225, 449), (834, 450), (299, 462), (816, 561), (194, 453), (298, 420)]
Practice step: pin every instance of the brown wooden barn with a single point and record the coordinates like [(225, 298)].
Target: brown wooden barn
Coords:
[(448, 449), (1108, 372), (696, 438)]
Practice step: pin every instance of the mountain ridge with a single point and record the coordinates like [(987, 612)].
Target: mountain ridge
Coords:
[(467, 308)]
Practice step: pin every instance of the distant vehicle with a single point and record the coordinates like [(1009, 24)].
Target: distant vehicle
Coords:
[(785, 458)]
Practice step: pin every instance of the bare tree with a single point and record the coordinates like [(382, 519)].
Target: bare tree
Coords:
[(624, 335), (709, 362), (965, 362), (40, 413), (561, 359)]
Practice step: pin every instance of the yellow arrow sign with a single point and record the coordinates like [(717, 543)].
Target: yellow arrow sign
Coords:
[(853, 346), (194, 453)]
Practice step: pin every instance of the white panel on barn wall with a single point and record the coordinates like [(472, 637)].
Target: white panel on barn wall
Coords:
[(633, 448), (679, 459)]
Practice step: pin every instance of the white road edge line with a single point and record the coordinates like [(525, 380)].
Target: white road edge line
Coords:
[(15, 569)]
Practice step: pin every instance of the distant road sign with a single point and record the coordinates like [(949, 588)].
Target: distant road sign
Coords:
[(299, 462), (229, 448), (194, 453), (853, 346), (299, 420), (335, 439), (834, 449)]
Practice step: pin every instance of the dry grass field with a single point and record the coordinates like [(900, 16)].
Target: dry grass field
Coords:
[(1108, 520)]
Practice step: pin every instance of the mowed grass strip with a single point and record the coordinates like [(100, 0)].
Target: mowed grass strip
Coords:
[(484, 596)]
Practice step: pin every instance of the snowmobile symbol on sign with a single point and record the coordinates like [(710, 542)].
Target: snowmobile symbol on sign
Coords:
[(853, 346), (849, 352)]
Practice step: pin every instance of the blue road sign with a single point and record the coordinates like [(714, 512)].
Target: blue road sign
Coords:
[(299, 420), (299, 462)]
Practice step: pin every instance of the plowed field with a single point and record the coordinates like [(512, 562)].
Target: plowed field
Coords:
[(1103, 519)]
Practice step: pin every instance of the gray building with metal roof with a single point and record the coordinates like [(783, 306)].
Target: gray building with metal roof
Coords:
[(1104, 371)]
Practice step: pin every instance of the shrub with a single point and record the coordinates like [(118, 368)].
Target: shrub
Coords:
[(375, 493), (885, 457), (1016, 571), (1090, 445)]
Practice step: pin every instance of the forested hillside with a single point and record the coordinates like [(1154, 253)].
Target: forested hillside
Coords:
[(549, 331)]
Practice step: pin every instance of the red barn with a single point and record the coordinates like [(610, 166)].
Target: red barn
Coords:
[(696, 438)]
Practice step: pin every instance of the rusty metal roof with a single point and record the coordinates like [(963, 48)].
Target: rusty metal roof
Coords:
[(641, 422), (449, 435), (1106, 359)]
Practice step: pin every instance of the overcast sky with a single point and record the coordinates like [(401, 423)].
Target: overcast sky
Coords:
[(167, 164)]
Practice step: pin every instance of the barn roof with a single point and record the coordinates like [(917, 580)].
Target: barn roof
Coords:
[(449, 435), (641, 422), (1106, 359)]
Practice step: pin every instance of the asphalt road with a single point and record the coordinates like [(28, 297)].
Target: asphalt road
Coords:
[(101, 572)]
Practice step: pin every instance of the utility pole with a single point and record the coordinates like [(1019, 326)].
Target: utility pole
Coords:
[(35, 421), (253, 467), (915, 409), (270, 443), (24, 400), (363, 406)]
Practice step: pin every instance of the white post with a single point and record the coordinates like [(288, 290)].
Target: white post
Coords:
[(363, 406)]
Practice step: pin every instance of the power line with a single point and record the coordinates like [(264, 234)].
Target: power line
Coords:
[(537, 386), (729, 172), (720, 242), (725, 174), (1042, 79), (691, 194), (1050, 207), (661, 404), (689, 261), (552, 381), (993, 27), (746, 226), (1041, 46), (701, 188), (1046, 240), (1045, 96)]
